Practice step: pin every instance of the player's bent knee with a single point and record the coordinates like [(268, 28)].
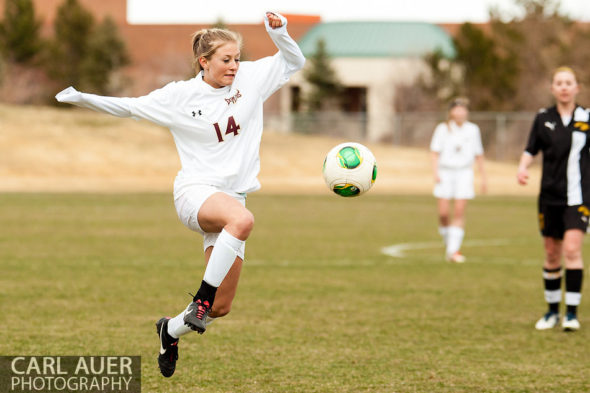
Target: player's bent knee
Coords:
[(243, 225)]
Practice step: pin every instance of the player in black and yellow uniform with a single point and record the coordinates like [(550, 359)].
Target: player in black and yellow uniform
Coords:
[(561, 132)]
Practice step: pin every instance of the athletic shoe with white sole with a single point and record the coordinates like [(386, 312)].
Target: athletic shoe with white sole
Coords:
[(196, 315), (548, 321), (168, 348), (456, 258), (570, 322)]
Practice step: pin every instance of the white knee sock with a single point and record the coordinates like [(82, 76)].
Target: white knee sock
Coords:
[(454, 239), (176, 326), (222, 258), (444, 233)]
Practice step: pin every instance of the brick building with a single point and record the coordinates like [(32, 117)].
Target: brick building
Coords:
[(161, 53)]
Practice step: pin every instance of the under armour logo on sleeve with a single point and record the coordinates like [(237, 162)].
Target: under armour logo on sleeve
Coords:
[(197, 112)]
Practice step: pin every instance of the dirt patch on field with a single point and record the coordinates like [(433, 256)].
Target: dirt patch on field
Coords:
[(47, 149)]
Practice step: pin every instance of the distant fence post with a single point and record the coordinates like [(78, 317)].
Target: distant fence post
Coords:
[(500, 136)]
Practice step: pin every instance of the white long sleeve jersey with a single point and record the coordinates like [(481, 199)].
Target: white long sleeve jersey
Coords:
[(217, 131)]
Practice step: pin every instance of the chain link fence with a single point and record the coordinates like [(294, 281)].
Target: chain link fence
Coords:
[(504, 134)]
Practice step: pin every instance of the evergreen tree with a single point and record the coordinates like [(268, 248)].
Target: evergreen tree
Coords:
[(489, 71), (509, 65), (73, 27), (325, 86), (19, 32), (106, 53), (84, 54)]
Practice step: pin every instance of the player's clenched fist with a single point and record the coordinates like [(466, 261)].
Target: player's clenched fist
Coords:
[(274, 21)]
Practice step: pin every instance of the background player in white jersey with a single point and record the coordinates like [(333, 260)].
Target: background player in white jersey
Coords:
[(455, 144), (216, 121), (561, 133)]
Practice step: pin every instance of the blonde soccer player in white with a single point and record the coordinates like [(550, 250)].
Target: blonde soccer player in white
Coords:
[(216, 121), (455, 145)]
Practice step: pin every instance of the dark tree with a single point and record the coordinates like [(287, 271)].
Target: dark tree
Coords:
[(19, 32), (106, 53), (84, 54), (325, 88), (508, 64), (69, 49)]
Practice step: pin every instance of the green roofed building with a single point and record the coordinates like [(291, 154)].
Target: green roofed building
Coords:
[(378, 39), (372, 59)]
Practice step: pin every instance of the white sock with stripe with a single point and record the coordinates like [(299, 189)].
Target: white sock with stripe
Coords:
[(552, 281), (573, 289)]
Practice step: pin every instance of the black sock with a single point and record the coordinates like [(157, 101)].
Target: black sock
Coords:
[(206, 292), (573, 288), (552, 279)]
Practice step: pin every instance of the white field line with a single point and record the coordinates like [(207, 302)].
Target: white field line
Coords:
[(398, 250)]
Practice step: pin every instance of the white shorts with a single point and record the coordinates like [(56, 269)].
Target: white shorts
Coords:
[(189, 203), (455, 183)]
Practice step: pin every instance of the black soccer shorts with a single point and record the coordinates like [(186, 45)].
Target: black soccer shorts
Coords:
[(554, 220)]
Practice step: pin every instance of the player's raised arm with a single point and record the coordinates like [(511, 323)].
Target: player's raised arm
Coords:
[(276, 26)]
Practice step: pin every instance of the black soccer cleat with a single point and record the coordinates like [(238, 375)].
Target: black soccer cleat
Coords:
[(168, 348), (196, 315)]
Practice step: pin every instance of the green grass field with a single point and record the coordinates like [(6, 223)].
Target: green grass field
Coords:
[(319, 308)]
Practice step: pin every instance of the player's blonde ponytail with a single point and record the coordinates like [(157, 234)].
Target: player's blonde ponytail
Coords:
[(207, 41)]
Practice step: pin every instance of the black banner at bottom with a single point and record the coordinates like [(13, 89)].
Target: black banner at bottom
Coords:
[(96, 374)]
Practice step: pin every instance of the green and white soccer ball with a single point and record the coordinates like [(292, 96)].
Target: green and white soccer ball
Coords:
[(350, 169)]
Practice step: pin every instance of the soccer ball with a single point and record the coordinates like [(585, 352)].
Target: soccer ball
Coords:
[(350, 169)]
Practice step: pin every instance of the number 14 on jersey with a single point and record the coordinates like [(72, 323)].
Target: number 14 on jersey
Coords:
[(232, 128)]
